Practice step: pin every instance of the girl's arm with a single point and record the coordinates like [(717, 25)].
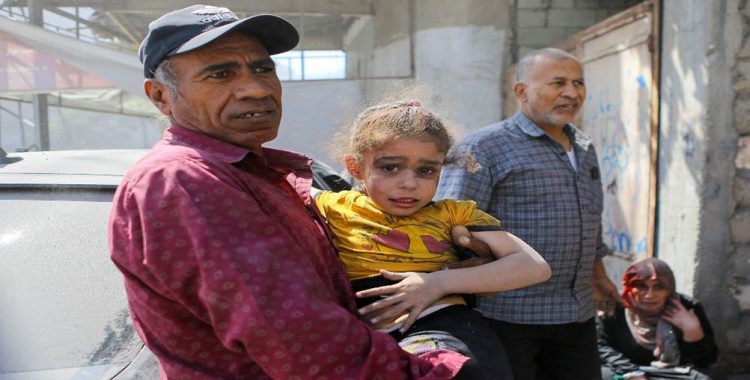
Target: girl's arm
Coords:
[(518, 266)]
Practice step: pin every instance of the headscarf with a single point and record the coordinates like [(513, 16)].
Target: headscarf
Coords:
[(648, 328)]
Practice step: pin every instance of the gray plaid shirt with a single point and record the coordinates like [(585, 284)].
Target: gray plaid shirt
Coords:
[(527, 181)]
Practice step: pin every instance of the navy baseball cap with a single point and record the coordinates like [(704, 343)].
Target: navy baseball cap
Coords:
[(189, 28)]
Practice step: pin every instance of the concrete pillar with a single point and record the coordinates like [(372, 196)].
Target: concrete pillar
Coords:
[(39, 101), (698, 142), (460, 51), (41, 121)]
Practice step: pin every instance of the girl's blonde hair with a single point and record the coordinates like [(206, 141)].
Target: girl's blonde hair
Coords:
[(386, 122)]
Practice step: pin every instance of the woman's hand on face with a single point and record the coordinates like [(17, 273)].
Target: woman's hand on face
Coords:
[(411, 295), (684, 319)]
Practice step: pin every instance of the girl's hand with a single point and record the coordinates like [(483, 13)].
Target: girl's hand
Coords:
[(410, 296), (684, 319)]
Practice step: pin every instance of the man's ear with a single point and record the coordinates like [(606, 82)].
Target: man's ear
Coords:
[(160, 95), (352, 166), (520, 90)]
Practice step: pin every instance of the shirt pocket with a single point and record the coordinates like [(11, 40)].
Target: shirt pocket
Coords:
[(539, 184), (589, 181)]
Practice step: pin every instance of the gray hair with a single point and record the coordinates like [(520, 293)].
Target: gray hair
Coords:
[(526, 64), (166, 74)]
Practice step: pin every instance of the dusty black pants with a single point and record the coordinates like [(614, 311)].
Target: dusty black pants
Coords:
[(461, 329), (560, 352)]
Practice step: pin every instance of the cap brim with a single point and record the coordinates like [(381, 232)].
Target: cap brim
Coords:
[(276, 34)]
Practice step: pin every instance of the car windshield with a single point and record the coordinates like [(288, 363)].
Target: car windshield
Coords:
[(57, 282)]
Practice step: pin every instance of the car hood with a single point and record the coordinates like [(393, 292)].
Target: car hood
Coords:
[(106, 371)]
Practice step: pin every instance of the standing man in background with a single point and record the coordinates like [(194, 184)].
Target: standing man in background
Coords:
[(539, 175), (228, 270)]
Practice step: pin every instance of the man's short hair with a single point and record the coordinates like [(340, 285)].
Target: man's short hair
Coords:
[(166, 74), (526, 64)]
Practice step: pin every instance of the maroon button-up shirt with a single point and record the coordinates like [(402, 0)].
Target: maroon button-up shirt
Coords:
[(229, 277)]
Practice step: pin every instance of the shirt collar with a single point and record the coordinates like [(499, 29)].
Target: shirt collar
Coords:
[(527, 126), (231, 153), (222, 150), (530, 128)]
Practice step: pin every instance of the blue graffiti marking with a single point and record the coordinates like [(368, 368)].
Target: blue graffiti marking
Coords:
[(640, 247), (641, 80), (623, 242), (614, 160), (602, 108), (620, 241)]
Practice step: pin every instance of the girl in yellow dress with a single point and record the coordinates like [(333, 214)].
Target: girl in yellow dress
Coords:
[(394, 240)]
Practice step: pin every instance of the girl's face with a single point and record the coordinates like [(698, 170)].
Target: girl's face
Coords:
[(650, 296), (401, 176)]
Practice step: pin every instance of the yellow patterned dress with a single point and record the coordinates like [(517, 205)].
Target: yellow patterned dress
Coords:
[(368, 239)]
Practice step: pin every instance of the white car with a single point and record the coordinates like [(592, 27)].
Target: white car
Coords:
[(63, 311)]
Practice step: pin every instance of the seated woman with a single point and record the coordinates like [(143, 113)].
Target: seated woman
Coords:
[(659, 334)]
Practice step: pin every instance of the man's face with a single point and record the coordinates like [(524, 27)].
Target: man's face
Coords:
[(553, 91), (228, 90)]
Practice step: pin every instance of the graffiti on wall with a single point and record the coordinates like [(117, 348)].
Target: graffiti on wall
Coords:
[(617, 116)]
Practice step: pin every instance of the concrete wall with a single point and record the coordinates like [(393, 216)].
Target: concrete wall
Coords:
[(538, 24), (464, 80), (306, 128), (738, 329), (740, 223), (461, 49), (456, 49), (543, 23), (699, 225), (379, 46)]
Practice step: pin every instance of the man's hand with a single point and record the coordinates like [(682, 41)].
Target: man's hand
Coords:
[(463, 239), (606, 295)]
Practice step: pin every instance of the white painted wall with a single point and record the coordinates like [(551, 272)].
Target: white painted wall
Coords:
[(681, 158), (463, 66), (313, 112), (698, 141)]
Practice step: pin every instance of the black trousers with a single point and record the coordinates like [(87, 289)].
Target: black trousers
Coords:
[(541, 352), (464, 330)]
